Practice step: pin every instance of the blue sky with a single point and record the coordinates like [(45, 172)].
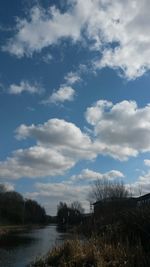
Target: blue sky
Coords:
[(74, 97)]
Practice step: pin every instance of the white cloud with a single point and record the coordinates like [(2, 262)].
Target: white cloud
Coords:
[(62, 190), (147, 162), (7, 187), (128, 25), (72, 78), (53, 193), (120, 130), (90, 175), (69, 190), (64, 93), (60, 145), (118, 29), (62, 136), (35, 162), (141, 186), (41, 29), (50, 194), (25, 86)]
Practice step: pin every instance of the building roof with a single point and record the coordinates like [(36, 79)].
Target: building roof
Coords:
[(110, 199), (144, 197)]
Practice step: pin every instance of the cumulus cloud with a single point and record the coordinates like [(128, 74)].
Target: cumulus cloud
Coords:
[(120, 130), (41, 29), (64, 93), (70, 190), (58, 134), (25, 86), (90, 175), (59, 146), (35, 162), (53, 193), (118, 30), (72, 78), (141, 186), (147, 162), (62, 190)]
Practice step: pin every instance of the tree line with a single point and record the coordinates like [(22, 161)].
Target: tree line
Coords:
[(17, 210), (14, 209), (69, 214)]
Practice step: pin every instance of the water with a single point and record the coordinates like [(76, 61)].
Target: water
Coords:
[(21, 249)]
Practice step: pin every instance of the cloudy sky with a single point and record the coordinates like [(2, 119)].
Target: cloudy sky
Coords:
[(74, 97)]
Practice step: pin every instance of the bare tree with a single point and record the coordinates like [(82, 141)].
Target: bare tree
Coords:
[(140, 189), (103, 189), (76, 205)]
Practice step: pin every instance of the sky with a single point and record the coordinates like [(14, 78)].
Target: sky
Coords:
[(74, 97)]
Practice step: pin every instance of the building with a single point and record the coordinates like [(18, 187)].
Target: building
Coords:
[(114, 205), (143, 200)]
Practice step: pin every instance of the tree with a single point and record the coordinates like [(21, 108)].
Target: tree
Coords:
[(11, 207), (33, 212), (2, 188), (76, 205), (15, 209), (103, 189), (62, 213), (69, 214)]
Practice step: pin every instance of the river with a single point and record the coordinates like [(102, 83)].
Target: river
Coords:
[(20, 249)]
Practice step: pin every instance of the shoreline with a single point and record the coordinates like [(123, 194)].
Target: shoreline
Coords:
[(6, 230)]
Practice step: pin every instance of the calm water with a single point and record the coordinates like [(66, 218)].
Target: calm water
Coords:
[(21, 249)]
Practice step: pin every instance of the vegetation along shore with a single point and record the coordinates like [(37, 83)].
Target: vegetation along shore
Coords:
[(116, 234)]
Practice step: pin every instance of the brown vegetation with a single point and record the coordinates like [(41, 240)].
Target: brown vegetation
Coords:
[(117, 235), (95, 253)]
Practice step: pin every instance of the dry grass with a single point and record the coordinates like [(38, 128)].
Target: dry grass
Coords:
[(124, 243), (94, 253)]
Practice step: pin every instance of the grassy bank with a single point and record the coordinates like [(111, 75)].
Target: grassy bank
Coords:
[(6, 230), (122, 242), (95, 252)]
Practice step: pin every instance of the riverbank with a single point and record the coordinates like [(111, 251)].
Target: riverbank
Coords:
[(94, 252), (9, 229), (122, 242), (6, 230)]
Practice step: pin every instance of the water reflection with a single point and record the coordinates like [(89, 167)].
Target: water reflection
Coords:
[(19, 250), (13, 240)]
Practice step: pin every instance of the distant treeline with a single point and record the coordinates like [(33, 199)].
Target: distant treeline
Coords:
[(69, 215), (14, 209)]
